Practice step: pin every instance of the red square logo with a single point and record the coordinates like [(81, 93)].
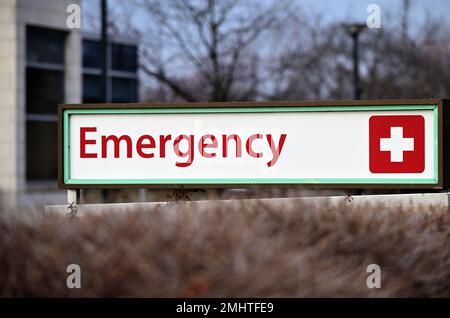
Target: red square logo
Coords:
[(397, 144)]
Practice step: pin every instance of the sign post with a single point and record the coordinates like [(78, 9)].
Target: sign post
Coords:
[(72, 196), (346, 144)]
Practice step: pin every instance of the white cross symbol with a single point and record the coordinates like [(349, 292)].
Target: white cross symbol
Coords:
[(396, 144)]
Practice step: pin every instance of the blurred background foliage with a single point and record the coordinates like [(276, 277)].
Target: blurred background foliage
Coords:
[(231, 50)]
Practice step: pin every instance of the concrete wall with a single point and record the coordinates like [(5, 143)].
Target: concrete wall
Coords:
[(15, 15), (8, 100), (409, 201)]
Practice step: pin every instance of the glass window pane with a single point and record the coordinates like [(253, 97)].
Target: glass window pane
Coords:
[(92, 54), (92, 89), (124, 90), (44, 90), (45, 45), (41, 150), (124, 57)]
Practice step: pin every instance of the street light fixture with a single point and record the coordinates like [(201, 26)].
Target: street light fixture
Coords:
[(354, 30)]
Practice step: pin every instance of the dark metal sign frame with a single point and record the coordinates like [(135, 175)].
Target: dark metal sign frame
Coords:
[(443, 125)]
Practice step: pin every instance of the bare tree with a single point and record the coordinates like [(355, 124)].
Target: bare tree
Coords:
[(403, 67), (316, 66), (198, 50), (206, 49), (393, 64)]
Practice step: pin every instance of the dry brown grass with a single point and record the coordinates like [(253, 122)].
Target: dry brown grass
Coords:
[(239, 252)]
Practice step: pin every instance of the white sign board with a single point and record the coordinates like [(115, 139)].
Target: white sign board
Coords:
[(287, 145)]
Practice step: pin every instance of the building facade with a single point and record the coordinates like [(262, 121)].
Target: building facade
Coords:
[(44, 63)]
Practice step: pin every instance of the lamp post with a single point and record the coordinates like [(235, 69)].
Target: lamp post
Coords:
[(105, 92), (354, 30), (104, 50)]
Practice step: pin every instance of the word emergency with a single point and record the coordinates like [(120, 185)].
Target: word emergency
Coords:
[(183, 146)]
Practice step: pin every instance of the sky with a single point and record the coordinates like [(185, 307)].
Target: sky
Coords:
[(345, 10), (356, 9)]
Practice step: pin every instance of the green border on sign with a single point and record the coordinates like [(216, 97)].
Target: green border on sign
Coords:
[(66, 144)]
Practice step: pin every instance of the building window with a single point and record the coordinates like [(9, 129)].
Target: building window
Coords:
[(122, 79), (92, 88), (123, 90), (45, 45), (123, 57), (44, 91), (91, 53)]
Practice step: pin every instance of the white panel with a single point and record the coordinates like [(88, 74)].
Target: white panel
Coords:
[(325, 145)]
